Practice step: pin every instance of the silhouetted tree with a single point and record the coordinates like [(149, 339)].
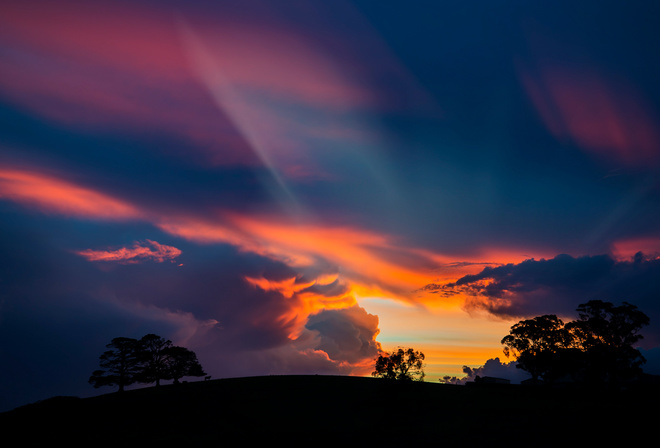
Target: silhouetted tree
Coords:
[(596, 347), (401, 365), (153, 358), (537, 344), (182, 362), (120, 365), (150, 359), (605, 334)]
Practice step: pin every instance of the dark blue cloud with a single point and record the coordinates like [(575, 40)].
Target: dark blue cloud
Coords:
[(559, 285)]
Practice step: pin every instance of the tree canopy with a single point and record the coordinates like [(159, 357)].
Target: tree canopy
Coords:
[(537, 344), (605, 334), (400, 365), (182, 362), (596, 348), (120, 365), (154, 359), (147, 360)]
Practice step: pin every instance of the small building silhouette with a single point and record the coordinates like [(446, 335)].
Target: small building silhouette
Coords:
[(488, 381), (491, 380)]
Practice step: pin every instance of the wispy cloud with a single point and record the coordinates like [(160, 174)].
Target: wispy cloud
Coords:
[(50, 194), (602, 115), (137, 253)]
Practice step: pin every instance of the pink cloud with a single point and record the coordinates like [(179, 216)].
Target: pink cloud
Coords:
[(604, 116), (137, 253), (625, 249), (240, 89), (280, 63), (112, 65), (108, 33)]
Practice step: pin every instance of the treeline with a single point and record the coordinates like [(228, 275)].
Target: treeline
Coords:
[(597, 348), (146, 360)]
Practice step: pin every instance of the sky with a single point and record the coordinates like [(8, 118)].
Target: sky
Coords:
[(294, 187)]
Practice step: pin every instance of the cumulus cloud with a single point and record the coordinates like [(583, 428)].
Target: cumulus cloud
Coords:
[(559, 285), (137, 253), (347, 335), (493, 368)]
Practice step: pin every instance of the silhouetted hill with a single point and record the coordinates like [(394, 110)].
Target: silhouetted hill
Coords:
[(325, 410)]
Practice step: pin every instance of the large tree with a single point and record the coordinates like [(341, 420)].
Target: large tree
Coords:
[(606, 335), (120, 365), (598, 347), (153, 357), (400, 365), (537, 344), (182, 362)]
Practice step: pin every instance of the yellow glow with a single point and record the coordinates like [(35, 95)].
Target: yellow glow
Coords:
[(449, 339)]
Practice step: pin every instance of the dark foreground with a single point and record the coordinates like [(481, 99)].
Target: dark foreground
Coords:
[(325, 410)]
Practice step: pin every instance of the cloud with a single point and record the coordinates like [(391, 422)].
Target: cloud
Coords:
[(50, 194), (257, 89), (493, 368), (236, 327), (603, 115), (334, 342), (373, 262), (559, 285), (347, 335), (137, 253)]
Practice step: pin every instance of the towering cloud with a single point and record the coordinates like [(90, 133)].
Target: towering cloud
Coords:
[(347, 335)]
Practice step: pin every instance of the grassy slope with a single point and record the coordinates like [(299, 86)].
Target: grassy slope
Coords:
[(325, 410)]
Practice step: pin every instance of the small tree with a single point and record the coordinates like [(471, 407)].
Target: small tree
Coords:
[(120, 365), (182, 362), (400, 365)]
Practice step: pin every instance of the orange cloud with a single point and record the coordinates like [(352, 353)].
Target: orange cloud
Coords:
[(304, 299), (52, 195), (359, 253), (137, 253), (362, 264), (372, 263), (287, 287)]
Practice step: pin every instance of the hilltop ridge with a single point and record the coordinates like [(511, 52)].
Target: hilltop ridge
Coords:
[(315, 410)]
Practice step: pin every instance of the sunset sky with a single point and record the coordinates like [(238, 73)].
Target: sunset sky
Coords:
[(292, 186)]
